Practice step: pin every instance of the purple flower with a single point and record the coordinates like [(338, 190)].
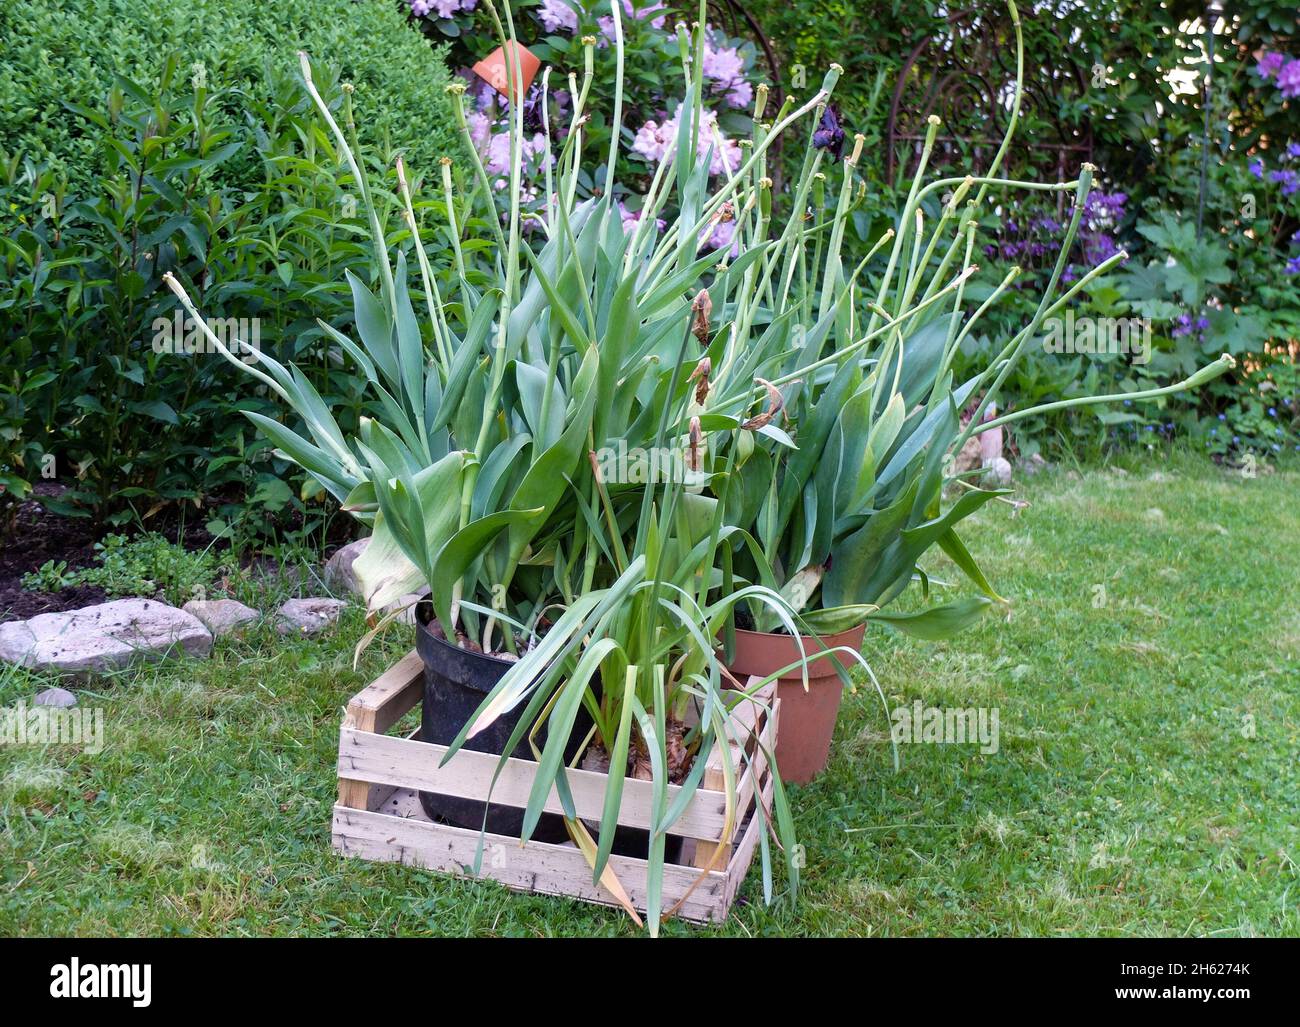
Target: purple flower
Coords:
[(1256, 168), (1293, 149), (829, 135), (724, 67), (1293, 266), (1269, 64), (721, 237), (1288, 80), (1185, 325), (632, 218), (741, 94), (480, 128), (1289, 179)]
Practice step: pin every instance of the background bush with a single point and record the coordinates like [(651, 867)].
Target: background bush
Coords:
[(70, 50), (1211, 206), (223, 178)]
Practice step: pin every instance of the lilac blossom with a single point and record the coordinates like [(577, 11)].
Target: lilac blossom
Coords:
[(648, 12), (722, 236), (724, 67), (741, 94), (480, 128), (721, 64), (496, 153)]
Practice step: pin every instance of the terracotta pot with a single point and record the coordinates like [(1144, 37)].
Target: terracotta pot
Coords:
[(803, 738), (492, 68)]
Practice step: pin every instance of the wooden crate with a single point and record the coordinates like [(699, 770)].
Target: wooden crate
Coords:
[(378, 815)]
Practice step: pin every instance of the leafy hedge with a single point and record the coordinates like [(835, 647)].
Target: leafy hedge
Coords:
[(70, 50), (134, 165)]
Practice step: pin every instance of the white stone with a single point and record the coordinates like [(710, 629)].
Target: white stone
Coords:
[(1032, 465), (59, 697), (999, 472), (308, 616), (102, 637), (338, 568), (221, 616)]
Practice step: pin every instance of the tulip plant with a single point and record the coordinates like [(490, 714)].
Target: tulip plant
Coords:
[(811, 413)]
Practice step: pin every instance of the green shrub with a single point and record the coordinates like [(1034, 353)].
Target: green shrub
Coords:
[(71, 50), (88, 397)]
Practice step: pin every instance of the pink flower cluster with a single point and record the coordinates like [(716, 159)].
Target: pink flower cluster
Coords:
[(556, 15), (725, 69), (647, 12), (719, 236), (1283, 70), (563, 14), (656, 141), (632, 218), (489, 131), (441, 8)]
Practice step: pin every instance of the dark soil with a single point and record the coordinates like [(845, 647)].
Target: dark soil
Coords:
[(37, 535)]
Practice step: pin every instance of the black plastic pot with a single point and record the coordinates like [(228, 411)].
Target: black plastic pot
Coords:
[(456, 681)]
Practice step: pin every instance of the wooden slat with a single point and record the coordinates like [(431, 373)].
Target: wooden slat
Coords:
[(744, 716), (757, 768), (376, 708), (384, 701), (536, 867), (744, 855), (383, 759)]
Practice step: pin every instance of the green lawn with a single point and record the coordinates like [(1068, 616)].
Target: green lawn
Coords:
[(1148, 688)]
